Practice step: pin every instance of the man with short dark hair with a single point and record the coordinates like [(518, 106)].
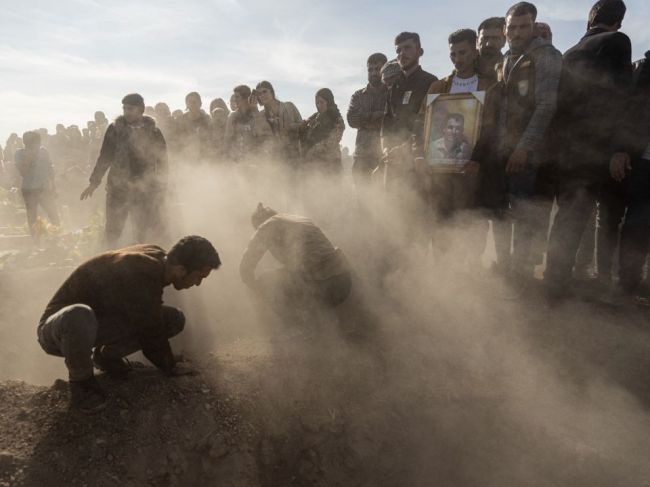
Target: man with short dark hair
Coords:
[(195, 130), (366, 113), (530, 76), (134, 153), (402, 120), (111, 306), (246, 129), (592, 137), (314, 272), (490, 43), (401, 134)]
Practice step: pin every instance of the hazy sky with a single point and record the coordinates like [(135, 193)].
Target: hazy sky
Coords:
[(63, 60)]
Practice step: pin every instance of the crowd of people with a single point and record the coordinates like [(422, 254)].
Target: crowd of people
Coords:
[(562, 135), (563, 154)]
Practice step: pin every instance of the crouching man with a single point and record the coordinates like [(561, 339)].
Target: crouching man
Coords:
[(111, 306), (314, 272)]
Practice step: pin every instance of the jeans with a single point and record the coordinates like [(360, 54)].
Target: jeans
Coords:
[(73, 332), (43, 197), (145, 210)]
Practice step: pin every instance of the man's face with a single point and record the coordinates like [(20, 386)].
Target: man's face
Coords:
[(519, 32), (132, 113), (408, 54), (265, 96), (188, 279), (490, 42), (233, 102), (240, 102), (193, 104), (453, 131), (463, 56), (374, 74)]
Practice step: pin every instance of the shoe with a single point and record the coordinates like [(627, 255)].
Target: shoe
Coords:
[(115, 367), (87, 395)]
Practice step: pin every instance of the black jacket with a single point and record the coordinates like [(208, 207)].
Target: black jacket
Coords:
[(403, 119), (594, 98), (640, 122), (135, 157)]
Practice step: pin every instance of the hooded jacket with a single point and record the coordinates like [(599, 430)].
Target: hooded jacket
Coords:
[(134, 156)]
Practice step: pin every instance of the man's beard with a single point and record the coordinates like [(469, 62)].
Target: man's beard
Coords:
[(375, 81)]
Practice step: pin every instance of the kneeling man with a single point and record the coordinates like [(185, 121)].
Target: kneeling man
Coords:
[(314, 272), (111, 306)]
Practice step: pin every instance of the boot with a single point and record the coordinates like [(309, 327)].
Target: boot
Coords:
[(115, 367), (87, 395)]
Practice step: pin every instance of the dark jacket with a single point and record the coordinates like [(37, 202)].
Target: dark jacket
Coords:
[(363, 104), (320, 140), (124, 288), (640, 122), (135, 157), (593, 100), (529, 88), (403, 120)]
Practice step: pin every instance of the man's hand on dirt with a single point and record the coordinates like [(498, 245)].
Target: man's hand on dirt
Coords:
[(88, 192), (619, 165), (183, 368)]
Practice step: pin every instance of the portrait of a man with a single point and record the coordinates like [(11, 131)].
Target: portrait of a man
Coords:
[(453, 144)]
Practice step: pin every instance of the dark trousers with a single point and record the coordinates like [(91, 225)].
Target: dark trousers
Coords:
[(576, 201), (145, 209), (73, 332), (635, 236), (362, 169), (286, 292), (43, 197)]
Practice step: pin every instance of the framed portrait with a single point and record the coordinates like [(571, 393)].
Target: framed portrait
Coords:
[(452, 128)]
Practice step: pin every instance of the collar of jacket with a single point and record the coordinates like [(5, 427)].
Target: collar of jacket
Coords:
[(595, 31), (537, 43), (374, 90), (147, 122)]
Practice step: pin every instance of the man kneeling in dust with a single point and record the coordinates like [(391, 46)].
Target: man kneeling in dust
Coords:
[(113, 304), (314, 272)]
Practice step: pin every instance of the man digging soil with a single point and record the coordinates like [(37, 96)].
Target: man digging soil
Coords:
[(111, 306)]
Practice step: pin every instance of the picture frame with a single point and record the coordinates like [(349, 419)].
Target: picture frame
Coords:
[(452, 128)]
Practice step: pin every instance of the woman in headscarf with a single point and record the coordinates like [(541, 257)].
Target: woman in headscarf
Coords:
[(320, 135)]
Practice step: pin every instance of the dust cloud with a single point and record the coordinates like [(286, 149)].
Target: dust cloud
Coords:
[(436, 375)]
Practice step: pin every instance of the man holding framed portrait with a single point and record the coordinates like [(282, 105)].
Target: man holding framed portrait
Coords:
[(453, 112)]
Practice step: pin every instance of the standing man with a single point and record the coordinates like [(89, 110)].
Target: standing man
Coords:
[(246, 130), (530, 75), (635, 236), (593, 134), (490, 43), (195, 130), (402, 127), (366, 113), (134, 153), (111, 306), (402, 120), (34, 165)]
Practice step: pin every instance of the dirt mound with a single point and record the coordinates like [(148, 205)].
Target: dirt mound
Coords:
[(307, 413), (155, 431)]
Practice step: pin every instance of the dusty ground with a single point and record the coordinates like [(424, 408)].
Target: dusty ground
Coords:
[(311, 409)]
